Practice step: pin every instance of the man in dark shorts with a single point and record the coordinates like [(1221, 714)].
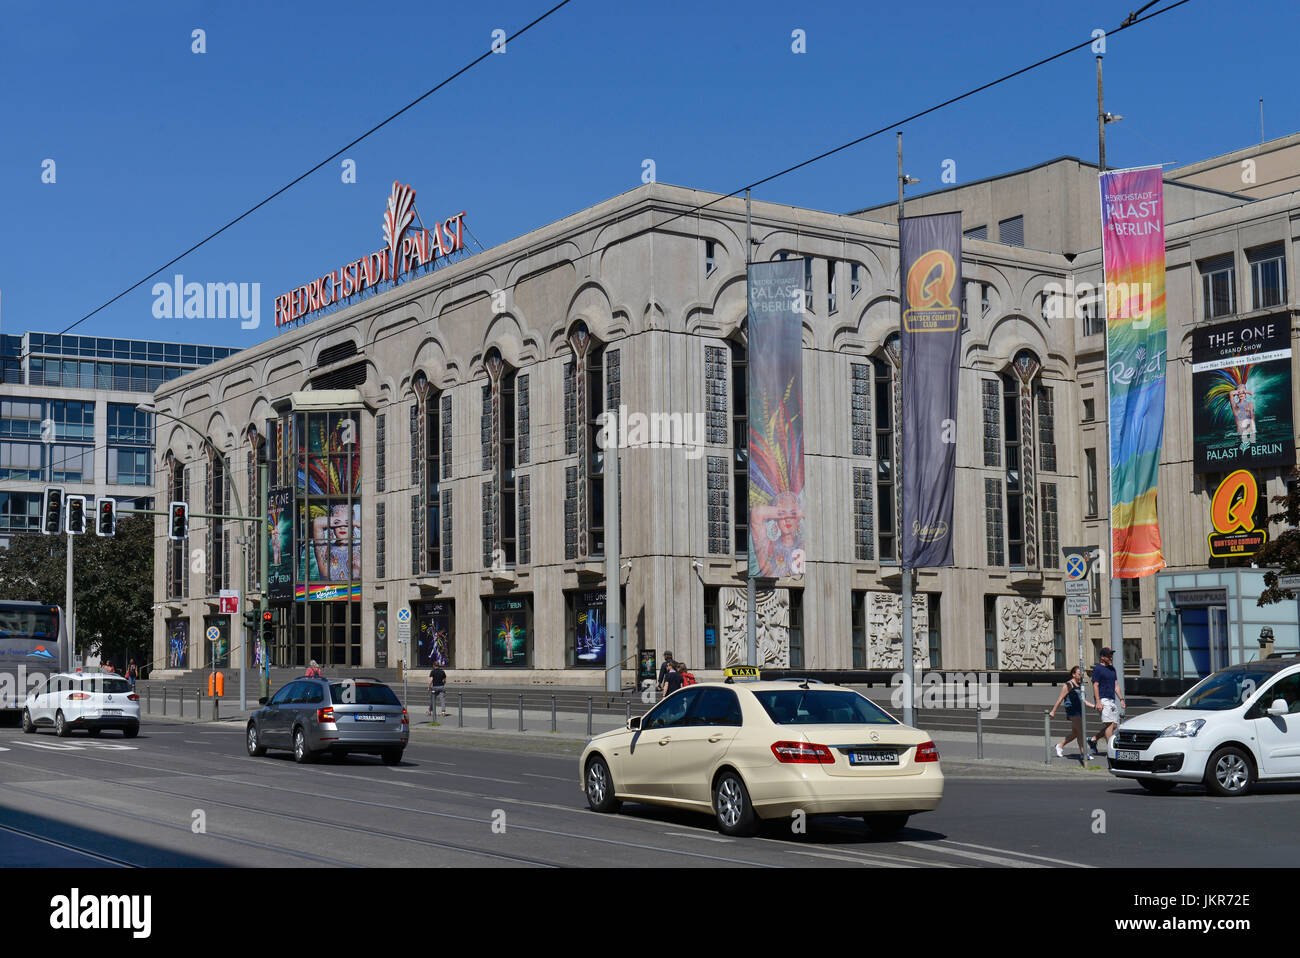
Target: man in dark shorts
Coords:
[(438, 690), (663, 672)]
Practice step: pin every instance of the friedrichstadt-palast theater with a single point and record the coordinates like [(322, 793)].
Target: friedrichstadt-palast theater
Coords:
[(431, 419)]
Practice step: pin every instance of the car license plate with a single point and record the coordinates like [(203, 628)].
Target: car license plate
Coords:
[(111, 711), (363, 717), (873, 758), (1128, 756)]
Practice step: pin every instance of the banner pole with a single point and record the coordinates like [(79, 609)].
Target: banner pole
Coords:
[(751, 618), (909, 668)]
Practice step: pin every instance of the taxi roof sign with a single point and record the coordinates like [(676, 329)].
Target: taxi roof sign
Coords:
[(742, 673)]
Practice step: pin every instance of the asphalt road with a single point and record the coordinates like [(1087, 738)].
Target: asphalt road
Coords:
[(188, 795)]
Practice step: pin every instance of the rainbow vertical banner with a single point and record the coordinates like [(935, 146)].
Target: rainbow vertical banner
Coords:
[(1133, 255)]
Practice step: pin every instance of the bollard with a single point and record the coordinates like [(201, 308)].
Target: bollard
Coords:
[(979, 732), (148, 700), (460, 710), (521, 713), (588, 716), (489, 710), (198, 705), (164, 700), (216, 710), (552, 713), (180, 703), (1047, 737)]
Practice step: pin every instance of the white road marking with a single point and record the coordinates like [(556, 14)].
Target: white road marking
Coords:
[(553, 778), (882, 862), (69, 747), (704, 838), (1007, 851), (990, 859)]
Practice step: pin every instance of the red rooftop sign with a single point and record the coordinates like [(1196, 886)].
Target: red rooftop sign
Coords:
[(405, 251)]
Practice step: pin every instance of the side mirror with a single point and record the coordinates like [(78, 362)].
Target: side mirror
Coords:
[(1279, 707), (262, 700), (634, 723)]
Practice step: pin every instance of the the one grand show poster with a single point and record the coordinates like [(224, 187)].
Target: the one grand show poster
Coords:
[(1241, 395)]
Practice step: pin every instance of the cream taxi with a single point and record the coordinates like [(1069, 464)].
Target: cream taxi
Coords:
[(765, 750)]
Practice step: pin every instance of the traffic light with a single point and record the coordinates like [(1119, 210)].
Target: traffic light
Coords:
[(76, 525), (52, 511), (250, 621), (268, 627), (180, 521), (105, 516)]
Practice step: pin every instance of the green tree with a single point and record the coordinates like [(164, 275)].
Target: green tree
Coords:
[(1282, 549), (113, 578)]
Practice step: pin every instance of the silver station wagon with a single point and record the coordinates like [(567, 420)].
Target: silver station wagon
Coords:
[(314, 717)]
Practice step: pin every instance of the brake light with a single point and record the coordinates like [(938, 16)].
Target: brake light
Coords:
[(133, 697), (325, 715), (926, 752), (78, 696), (405, 719), (802, 753)]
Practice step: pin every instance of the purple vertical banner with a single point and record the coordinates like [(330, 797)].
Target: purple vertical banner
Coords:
[(931, 355), (776, 490)]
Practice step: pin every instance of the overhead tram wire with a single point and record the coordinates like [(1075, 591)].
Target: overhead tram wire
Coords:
[(298, 179), (1130, 21)]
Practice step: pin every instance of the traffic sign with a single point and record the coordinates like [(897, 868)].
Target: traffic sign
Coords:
[(1288, 582), (229, 601), (1077, 605), (1079, 560), (213, 633), (1077, 588), (404, 614)]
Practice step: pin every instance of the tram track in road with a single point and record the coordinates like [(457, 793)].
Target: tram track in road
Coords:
[(68, 846), (386, 806)]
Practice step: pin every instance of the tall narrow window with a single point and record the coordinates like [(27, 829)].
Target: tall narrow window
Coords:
[(1218, 286), (990, 632), (216, 527), (712, 639), (1051, 527), (506, 469), (710, 257), (860, 408), (858, 629), (935, 631), (884, 382), (796, 628), (855, 279), (993, 531), (1090, 460), (808, 283), (831, 305), (432, 473), (740, 447), (596, 455)]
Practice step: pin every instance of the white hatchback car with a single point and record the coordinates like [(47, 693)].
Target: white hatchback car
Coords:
[(766, 750), (93, 701), (1234, 728)]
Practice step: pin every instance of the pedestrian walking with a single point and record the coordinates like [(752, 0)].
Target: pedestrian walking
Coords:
[(1107, 692), (438, 691), (687, 677), (672, 678), (1073, 697), (132, 672), (663, 672), (314, 671)]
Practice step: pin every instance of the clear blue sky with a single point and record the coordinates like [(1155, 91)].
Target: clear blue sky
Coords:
[(156, 146)]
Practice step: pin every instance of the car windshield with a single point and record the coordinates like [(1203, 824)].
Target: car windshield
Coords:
[(821, 707), (1223, 690), (362, 693)]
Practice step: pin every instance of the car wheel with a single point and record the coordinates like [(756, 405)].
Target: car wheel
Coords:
[(1155, 786), (255, 749), (131, 731), (732, 806), (61, 725), (1229, 773), (28, 725), (600, 787), (301, 754), (392, 756), (886, 825), (94, 732)]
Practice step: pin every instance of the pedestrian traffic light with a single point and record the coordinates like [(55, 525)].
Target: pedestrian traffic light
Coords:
[(76, 524), (105, 516), (250, 621), (180, 521), (52, 511)]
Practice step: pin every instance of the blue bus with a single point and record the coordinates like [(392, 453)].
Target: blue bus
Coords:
[(33, 645)]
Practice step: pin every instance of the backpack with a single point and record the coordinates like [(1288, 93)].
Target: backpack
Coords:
[(687, 679)]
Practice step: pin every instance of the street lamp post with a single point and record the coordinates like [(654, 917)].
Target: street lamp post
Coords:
[(239, 508)]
